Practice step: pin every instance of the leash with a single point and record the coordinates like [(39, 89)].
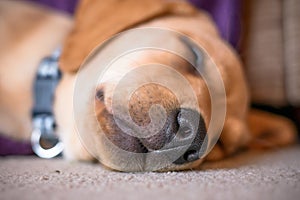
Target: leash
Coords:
[(44, 142)]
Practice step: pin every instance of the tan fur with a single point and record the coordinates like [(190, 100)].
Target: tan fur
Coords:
[(235, 133), (208, 37), (92, 13), (40, 38)]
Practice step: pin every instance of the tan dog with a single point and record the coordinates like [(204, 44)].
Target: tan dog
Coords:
[(241, 129)]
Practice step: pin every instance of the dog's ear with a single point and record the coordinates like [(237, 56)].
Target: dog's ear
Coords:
[(269, 130), (96, 21)]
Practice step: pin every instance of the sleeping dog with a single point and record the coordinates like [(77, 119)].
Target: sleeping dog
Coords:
[(166, 129)]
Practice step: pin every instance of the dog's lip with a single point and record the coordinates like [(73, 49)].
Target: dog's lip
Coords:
[(174, 144), (169, 148), (163, 158), (166, 148), (172, 150)]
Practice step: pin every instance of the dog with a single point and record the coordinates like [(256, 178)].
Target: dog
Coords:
[(111, 144)]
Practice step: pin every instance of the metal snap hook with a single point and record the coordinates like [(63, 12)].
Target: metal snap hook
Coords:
[(43, 132)]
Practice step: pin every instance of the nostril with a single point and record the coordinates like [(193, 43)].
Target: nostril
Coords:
[(184, 132), (191, 155)]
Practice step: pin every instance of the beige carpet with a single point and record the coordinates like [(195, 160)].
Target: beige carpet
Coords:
[(250, 175)]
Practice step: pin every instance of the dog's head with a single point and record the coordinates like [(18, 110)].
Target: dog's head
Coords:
[(150, 108)]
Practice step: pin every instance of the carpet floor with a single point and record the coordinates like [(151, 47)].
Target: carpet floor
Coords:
[(249, 175)]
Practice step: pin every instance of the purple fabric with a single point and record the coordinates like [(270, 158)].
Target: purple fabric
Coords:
[(9, 146), (62, 5), (227, 16)]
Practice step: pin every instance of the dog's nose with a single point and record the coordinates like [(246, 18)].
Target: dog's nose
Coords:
[(191, 132), (183, 127)]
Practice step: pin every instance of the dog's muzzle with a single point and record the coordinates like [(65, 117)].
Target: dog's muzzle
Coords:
[(129, 137)]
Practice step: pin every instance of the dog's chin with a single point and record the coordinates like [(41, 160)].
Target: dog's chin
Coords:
[(158, 166), (117, 159)]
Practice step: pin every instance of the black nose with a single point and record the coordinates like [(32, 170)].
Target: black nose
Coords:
[(192, 130), (183, 128)]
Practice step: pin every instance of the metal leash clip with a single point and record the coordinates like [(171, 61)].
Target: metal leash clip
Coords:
[(44, 142)]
